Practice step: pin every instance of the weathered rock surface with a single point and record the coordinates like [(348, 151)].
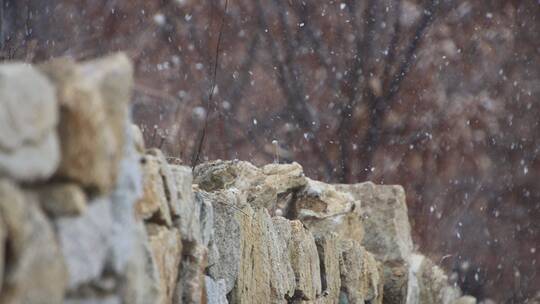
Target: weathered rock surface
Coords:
[(166, 247), (386, 222), (34, 271), (154, 203), (360, 278), (328, 248), (428, 283), (305, 262), (188, 215), (387, 233), (85, 242), (62, 199), (29, 148), (190, 285), (93, 99), (216, 292), (226, 238)]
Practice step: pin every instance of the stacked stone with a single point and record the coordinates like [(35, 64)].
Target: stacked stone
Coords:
[(89, 215)]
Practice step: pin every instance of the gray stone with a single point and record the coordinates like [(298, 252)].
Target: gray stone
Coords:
[(386, 222), (466, 300), (225, 264), (30, 163), (190, 285), (29, 148), (169, 182), (62, 199), (329, 254), (34, 271), (153, 204), (216, 292), (188, 222), (166, 248), (85, 242), (360, 277), (94, 98), (428, 283), (305, 262)]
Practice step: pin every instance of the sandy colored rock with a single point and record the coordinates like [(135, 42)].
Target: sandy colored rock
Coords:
[(215, 291), (138, 138), (3, 238), (85, 242), (226, 238), (29, 148), (466, 300), (34, 269), (283, 280), (153, 203), (94, 98), (62, 199), (360, 277), (253, 282), (305, 262), (265, 273), (428, 283), (329, 255), (386, 222), (166, 247), (188, 220), (190, 285), (169, 182)]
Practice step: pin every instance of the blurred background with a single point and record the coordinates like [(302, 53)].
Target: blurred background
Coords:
[(439, 96)]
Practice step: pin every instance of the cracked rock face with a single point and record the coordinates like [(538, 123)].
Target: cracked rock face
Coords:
[(93, 98), (29, 147), (34, 270)]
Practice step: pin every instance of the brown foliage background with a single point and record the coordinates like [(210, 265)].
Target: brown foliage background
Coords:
[(438, 96)]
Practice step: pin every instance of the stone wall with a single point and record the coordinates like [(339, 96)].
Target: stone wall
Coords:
[(88, 215)]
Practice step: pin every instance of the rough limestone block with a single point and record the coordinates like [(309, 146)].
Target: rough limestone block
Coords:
[(305, 262), (188, 221), (94, 98), (141, 277), (85, 242), (227, 238), (466, 300), (166, 247), (3, 238), (428, 283), (387, 233), (324, 209), (190, 285), (386, 222), (360, 277), (34, 269), (169, 182), (283, 280), (265, 272), (153, 204), (62, 199), (215, 291), (138, 138), (29, 148), (329, 254)]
